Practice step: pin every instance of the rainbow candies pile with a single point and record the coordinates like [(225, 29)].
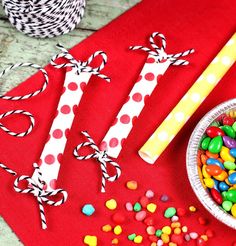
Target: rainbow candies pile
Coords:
[(216, 162)]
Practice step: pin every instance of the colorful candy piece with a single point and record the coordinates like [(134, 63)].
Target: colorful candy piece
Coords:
[(225, 155), (223, 186), (227, 205), (205, 143), (137, 207), (232, 178), (214, 131), (233, 210), (132, 236), (140, 216), (222, 176), (229, 142), (151, 207), (228, 121), (88, 209), (132, 185), (231, 196), (106, 228), (138, 239), (149, 194), (209, 182), (229, 131), (213, 170), (90, 240), (213, 161), (233, 152), (170, 212), (229, 165), (117, 230), (215, 145), (111, 204), (216, 196)]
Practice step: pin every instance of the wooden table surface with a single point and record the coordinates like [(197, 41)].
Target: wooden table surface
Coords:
[(17, 47)]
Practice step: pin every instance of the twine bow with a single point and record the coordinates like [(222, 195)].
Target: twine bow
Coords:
[(81, 66), (101, 157), (36, 189), (20, 134), (160, 53)]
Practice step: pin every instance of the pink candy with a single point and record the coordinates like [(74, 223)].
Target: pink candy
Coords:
[(149, 194), (129, 206), (140, 216)]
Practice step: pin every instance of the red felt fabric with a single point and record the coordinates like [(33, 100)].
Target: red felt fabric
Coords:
[(203, 25)]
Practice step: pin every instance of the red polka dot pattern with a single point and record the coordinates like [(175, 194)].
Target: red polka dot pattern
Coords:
[(68, 69), (49, 136), (115, 121), (125, 119), (57, 133), (59, 157), (67, 131), (150, 60), (137, 97), (53, 184), (122, 141), (65, 109), (127, 99), (149, 76), (113, 142), (49, 159), (75, 109), (103, 146), (82, 86), (63, 90), (139, 78), (72, 86)]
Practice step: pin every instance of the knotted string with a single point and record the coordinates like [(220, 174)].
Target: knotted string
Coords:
[(81, 66), (101, 157), (21, 112), (36, 189), (160, 53)]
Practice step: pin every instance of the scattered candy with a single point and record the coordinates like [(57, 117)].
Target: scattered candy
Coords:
[(149, 194), (129, 206), (117, 230), (144, 201), (118, 218), (106, 228), (149, 221), (151, 230), (151, 207), (202, 221), (140, 216), (192, 209), (166, 230), (115, 241), (165, 238), (174, 218), (131, 237), (181, 212), (137, 207), (164, 198), (138, 239), (132, 185), (90, 240), (88, 209), (111, 204), (170, 212), (158, 233), (193, 235)]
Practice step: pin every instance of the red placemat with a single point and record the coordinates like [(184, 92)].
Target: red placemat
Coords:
[(203, 25)]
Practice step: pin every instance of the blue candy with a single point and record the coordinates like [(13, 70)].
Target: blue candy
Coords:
[(216, 184), (213, 161), (88, 209), (232, 178), (223, 186), (233, 152)]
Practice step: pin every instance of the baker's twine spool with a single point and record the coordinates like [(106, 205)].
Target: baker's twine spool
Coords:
[(44, 18)]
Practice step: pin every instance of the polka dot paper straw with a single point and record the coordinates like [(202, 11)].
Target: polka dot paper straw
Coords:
[(176, 119), (77, 76), (156, 64)]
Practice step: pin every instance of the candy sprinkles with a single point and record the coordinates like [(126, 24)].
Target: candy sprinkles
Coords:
[(216, 161), (44, 18)]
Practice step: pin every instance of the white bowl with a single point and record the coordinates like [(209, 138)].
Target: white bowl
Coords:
[(191, 162)]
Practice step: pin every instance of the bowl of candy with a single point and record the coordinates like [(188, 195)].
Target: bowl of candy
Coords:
[(211, 162)]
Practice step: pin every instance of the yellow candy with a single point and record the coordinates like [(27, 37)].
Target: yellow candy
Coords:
[(225, 155), (209, 182), (234, 186), (227, 182), (184, 229), (153, 244), (151, 207), (204, 172), (111, 204), (115, 241), (117, 230), (90, 240), (172, 244), (204, 237), (166, 230), (231, 188), (177, 231), (132, 185), (192, 209), (231, 171), (165, 238), (233, 210), (138, 239), (106, 228), (222, 176)]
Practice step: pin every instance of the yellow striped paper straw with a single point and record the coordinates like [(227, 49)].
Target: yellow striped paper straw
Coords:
[(189, 103)]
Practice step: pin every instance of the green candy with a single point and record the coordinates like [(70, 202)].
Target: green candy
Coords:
[(229, 165), (234, 126), (205, 143), (229, 131), (137, 207), (215, 145), (231, 196), (170, 212), (223, 194), (227, 205), (131, 237), (158, 233), (215, 123)]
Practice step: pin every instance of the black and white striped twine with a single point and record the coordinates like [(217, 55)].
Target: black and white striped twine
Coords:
[(160, 53), (44, 18), (101, 157)]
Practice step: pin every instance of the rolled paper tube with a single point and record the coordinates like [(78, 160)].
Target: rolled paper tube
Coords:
[(156, 64), (176, 119), (50, 159)]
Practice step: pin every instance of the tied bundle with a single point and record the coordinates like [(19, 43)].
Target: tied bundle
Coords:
[(44, 18)]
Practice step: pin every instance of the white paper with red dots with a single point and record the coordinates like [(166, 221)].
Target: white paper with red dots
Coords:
[(51, 156), (143, 88)]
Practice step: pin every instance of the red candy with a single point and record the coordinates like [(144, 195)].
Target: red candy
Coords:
[(118, 218), (153, 238), (144, 201), (201, 242), (149, 221), (214, 131), (177, 238), (181, 211), (213, 170), (209, 233), (216, 196), (228, 121), (202, 221)]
